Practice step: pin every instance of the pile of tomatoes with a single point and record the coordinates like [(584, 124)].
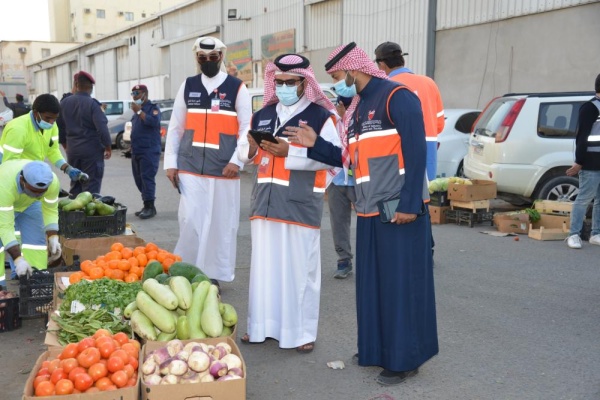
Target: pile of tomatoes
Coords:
[(124, 263), (99, 363)]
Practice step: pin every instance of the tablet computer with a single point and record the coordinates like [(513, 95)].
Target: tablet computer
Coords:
[(259, 136), (387, 209)]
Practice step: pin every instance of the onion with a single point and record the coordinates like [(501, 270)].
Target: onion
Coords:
[(232, 361), (218, 368)]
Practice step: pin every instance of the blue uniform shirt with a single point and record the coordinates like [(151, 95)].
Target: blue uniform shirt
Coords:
[(145, 134)]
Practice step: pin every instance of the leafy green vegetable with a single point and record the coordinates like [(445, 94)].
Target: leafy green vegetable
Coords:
[(534, 215), (107, 293), (74, 327)]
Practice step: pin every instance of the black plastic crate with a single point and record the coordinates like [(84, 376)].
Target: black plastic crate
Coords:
[(9, 314), (439, 199), (469, 217), (35, 294), (76, 225)]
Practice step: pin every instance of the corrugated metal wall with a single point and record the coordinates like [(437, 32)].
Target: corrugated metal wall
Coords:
[(460, 13)]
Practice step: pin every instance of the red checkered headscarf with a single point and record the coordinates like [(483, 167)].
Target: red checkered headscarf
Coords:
[(300, 66)]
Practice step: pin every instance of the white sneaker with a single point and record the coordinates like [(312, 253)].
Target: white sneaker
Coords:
[(574, 242), (595, 240)]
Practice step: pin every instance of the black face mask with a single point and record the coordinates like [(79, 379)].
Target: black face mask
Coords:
[(210, 68)]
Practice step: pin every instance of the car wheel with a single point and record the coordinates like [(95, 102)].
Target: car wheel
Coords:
[(121, 144), (559, 188)]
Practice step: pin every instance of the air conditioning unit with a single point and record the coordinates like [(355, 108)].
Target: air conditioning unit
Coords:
[(87, 10), (22, 50), (143, 15), (121, 13), (88, 35)]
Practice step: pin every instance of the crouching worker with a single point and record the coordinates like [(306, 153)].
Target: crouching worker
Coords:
[(22, 184)]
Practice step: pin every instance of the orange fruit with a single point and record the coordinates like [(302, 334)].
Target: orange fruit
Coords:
[(117, 246), (86, 265), (96, 273), (139, 250), (161, 255), (76, 277), (167, 263), (142, 259), (177, 258), (117, 274), (113, 264), (114, 255), (124, 265), (133, 261), (136, 270), (150, 247), (127, 252), (151, 255), (131, 278)]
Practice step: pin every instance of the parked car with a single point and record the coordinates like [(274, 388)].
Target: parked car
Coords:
[(116, 128), (453, 141), (115, 109), (5, 116), (165, 117), (256, 95), (525, 143)]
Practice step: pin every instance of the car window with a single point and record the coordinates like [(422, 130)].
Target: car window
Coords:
[(465, 123), (165, 115), (558, 120), (113, 107), (493, 116), (257, 102)]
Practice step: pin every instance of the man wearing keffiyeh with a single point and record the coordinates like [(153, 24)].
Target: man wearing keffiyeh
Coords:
[(395, 298), (287, 206)]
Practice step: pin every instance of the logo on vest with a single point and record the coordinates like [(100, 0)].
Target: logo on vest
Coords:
[(195, 94), (264, 122), (371, 114), (222, 96), (302, 122)]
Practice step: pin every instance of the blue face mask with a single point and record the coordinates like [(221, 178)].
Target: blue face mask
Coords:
[(138, 101), (287, 95), (44, 125), (344, 90)]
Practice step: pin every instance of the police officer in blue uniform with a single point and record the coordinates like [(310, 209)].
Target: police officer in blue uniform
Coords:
[(145, 148), (88, 141)]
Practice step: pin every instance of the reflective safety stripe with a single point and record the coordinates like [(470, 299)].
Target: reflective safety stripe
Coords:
[(55, 138), (440, 114), (273, 180), (375, 134), (7, 208), (208, 145), (318, 190), (13, 149), (50, 201), (594, 138), (367, 178), (431, 139), (209, 111), (34, 247)]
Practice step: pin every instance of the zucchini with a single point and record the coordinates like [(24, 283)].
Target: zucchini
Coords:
[(183, 328), (194, 313), (142, 325), (180, 268), (160, 316), (165, 337), (211, 320), (161, 294), (131, 307), (183, 291)]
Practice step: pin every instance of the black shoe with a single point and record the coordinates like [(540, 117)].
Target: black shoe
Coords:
[(137, 213), (389, 378), (147, 212), (216, 283), (355, 359)]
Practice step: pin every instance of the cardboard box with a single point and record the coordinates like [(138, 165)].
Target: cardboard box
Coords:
[(129, 393), (479, 190), (438, 214), (511, 222), (225, 390), (90, 248)]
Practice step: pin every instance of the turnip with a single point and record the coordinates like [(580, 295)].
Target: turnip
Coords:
[(229, 377), (152, 379), (224, 345), (174, 346), (182, 355), (204, 346), (218, 368), (198, 361), (219, 352), (149, 366), (189, 377), (232, 361), (236, 371), (161, 355), (191, 346), (169, 380), (207, 378), (164, 366), (177, 367)]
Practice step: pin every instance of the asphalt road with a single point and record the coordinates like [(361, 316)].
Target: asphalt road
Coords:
[(516, 319)]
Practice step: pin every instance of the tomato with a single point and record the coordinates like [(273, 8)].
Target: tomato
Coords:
[(57, 375), (132, 381), (121, 337), (68, 364), (135, 343), (53, 365), (46, 364), (101, 332), (40, 378), (119, 378), (45, 388), (64, 386), (106, 348), (70, 351), (115, 363), (88, 357), (85, 343), (92, 390), (103, 339), (97, 371), (130, 349), (128, 370), (111, 387), (83, 382), (76, 371), (43, 371), (133, 361), (122, 354), (103, 383)]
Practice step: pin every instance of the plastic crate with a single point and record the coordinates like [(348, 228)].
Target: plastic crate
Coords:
[(75, 224), (9, 314), (36, 292)]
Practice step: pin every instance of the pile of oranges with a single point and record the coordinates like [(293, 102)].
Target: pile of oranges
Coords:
[(98, 363), (124, 263)]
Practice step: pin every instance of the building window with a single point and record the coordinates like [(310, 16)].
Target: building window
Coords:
[(100, 14), (45, 53), (128, 16)]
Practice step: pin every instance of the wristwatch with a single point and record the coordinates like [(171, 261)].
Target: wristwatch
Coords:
[(139, 112)]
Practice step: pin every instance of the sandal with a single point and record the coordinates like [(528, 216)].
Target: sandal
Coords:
[(246, 340), (306, 348)]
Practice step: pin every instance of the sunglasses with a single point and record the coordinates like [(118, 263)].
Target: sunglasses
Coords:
[(288, 83), (211, 57), (135, 93)]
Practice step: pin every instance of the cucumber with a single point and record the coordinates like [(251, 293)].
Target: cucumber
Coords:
[(142, 325), (160, 316), (152, 270), (183, 291), (161, 294), (131, 307), (180, 268)]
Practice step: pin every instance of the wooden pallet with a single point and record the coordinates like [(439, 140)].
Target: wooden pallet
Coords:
[(471, 205), (549, 234), (553, 207)]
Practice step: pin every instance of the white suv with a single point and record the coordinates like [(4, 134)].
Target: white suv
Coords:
[(525, 143)]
